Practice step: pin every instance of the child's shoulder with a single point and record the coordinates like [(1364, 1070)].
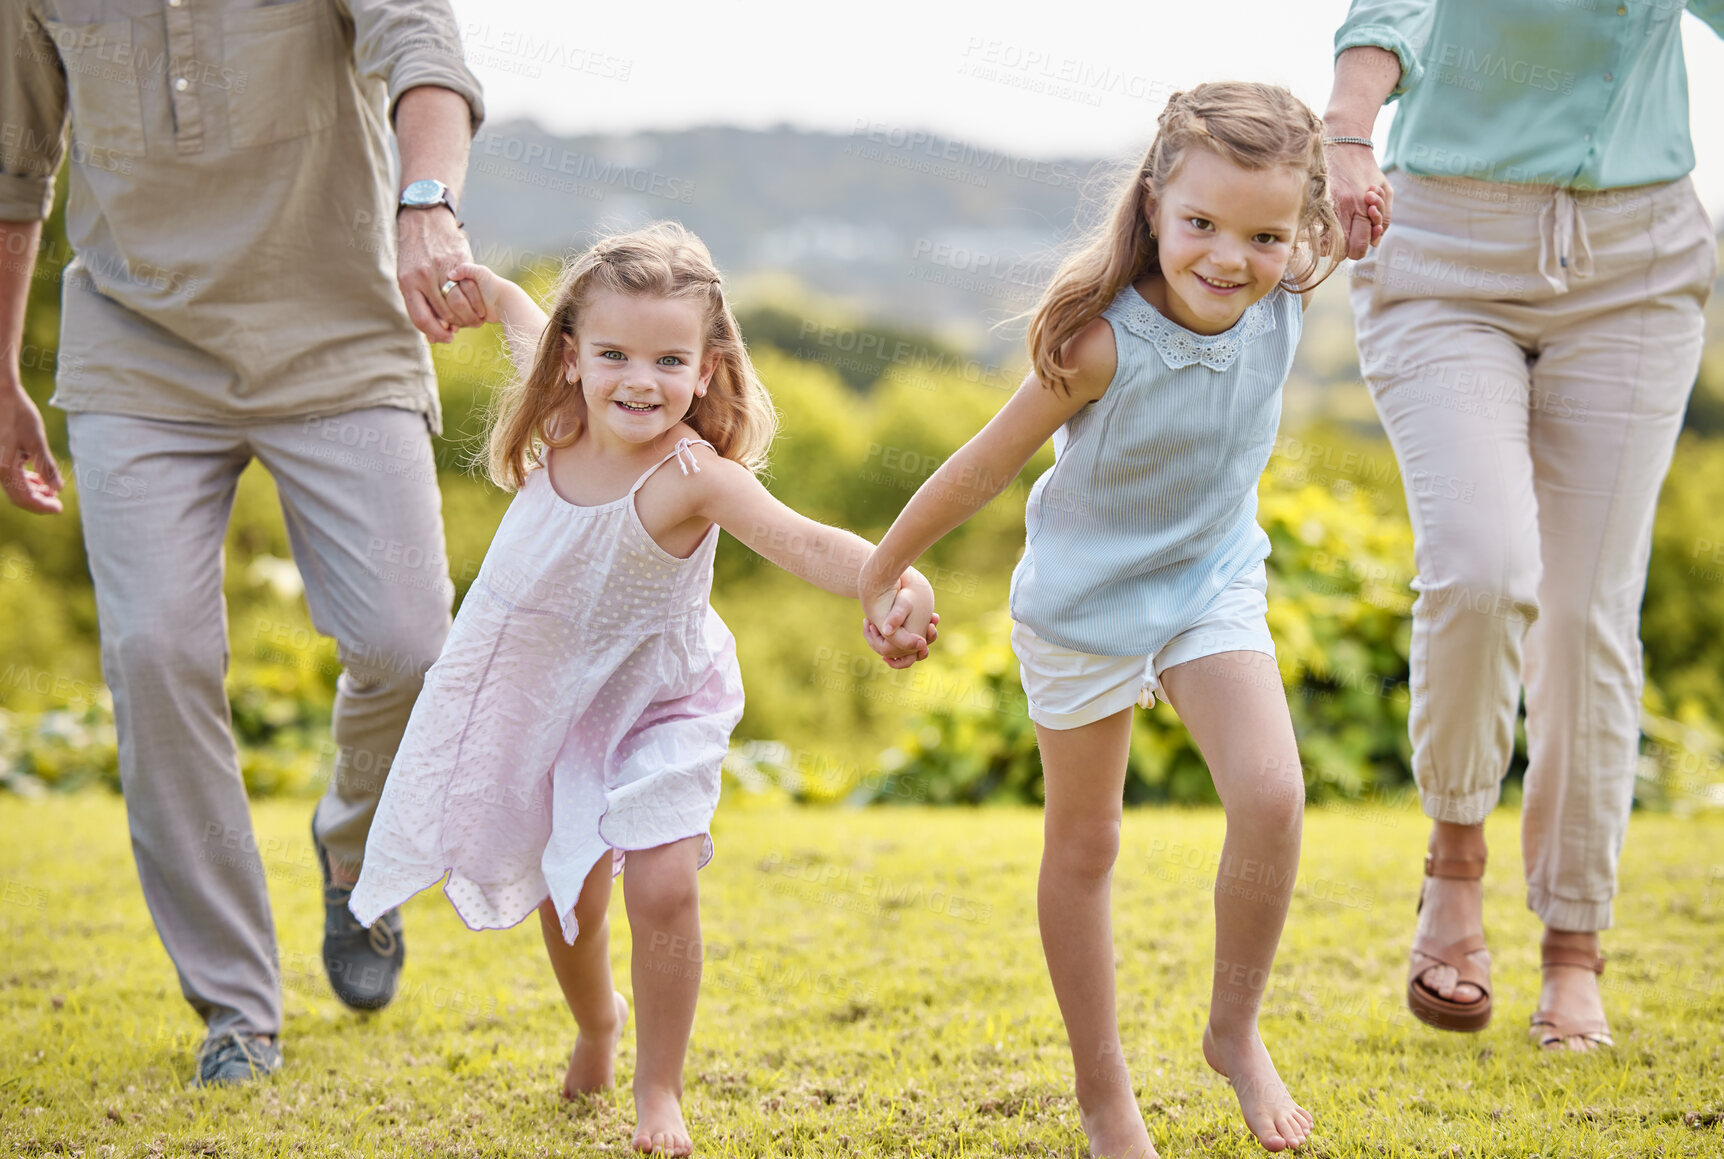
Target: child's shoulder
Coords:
[(1093, 357), (705, 454), (703, 471)]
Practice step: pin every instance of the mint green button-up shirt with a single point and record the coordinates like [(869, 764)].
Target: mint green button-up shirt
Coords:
[(1587, 94)]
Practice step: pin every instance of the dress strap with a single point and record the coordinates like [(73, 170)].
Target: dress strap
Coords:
[(684, 456)]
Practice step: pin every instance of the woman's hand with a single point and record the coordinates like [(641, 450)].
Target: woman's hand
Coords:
[(1365, 75), (1362, 196)]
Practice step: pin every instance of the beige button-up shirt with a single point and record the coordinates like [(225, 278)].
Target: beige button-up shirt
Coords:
[(231, 203)]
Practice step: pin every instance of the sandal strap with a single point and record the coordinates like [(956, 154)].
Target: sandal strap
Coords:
[(1569, 956), (1454, 956), (1556, 1027), (1458, 868)]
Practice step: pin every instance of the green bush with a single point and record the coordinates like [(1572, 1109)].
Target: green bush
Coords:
[(1339, 610), (1338, 607), (825, 720)]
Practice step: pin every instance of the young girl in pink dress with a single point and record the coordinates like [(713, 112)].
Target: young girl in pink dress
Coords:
[(584, 700)]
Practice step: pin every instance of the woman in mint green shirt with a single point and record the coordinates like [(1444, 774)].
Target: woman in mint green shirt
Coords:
[(1529, 327)]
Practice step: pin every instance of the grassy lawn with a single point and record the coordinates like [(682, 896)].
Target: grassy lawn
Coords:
[(874, 986)]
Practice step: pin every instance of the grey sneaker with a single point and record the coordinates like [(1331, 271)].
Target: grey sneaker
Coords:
[(363, 964), (236, 1058)]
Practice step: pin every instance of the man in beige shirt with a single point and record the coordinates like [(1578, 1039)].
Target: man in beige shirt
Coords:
[(248, 277)]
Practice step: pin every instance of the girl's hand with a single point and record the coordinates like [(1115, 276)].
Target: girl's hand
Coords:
[(903, 637), (890, 654), (879, 601), (1377, 209), (489, 283)]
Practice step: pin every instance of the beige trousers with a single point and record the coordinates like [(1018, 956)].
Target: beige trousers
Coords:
[(364, 519), (1530, 351)]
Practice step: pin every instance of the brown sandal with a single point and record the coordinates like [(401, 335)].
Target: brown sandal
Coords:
[(1550, 1028), (1427, 1005)]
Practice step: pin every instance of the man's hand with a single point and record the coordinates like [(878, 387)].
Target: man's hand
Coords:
[(28, 472), (433, 129), (428, 248)]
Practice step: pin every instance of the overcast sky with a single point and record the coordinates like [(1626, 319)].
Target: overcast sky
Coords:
[(1011, 77)]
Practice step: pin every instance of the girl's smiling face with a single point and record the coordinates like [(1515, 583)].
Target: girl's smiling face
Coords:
[(641, 363), (1224, 236)]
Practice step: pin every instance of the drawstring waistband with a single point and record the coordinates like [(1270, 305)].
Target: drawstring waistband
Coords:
[(1564, 250)]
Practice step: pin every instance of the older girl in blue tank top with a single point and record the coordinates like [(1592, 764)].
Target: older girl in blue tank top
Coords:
[(1159, 354)]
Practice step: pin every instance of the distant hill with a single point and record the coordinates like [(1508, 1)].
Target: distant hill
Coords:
[(884, 231), (897, 226)]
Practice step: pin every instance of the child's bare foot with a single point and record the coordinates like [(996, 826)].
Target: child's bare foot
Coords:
[(659, 1128), (592, 1067), (1270, 1112), (1116, 1130)]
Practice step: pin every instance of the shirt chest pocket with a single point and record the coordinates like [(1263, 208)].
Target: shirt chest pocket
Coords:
[(282, 61), (101, 84)]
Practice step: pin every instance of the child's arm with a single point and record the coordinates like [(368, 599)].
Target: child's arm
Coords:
[(828, 557), (982, 467), (505, 302)]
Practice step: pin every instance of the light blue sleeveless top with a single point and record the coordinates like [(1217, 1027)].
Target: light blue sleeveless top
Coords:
[(1150, 508)]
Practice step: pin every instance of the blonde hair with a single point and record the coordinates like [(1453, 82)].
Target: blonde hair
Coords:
[(662, 260), (1256, 126)]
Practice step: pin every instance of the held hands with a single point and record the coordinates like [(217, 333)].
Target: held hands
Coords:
[(900, 622), (1362, 196), (429, 245), (481, 288)]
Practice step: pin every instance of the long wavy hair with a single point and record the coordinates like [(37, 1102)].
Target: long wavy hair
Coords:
[(1256, 126), (542, 408)]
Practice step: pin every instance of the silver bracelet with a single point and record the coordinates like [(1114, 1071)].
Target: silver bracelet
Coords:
[(1365, 141)]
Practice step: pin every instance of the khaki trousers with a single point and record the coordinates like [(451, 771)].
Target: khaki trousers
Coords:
[(364, 518), (1530, 351)]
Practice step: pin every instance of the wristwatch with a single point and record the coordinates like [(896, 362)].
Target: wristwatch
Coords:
[(426, 193)]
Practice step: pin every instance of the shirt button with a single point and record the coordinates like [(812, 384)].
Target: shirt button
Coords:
[(1608, 77), (181, 84), (1621, 10)]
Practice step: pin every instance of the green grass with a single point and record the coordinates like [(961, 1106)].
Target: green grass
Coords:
[(874, 986)]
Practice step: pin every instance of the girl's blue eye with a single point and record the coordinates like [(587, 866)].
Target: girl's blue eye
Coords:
[(671, 360), (608, 353)]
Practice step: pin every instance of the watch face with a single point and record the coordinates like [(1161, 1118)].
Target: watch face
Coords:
[(423, 192)]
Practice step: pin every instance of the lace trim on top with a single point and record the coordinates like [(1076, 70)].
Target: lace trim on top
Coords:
[(1180, 348)]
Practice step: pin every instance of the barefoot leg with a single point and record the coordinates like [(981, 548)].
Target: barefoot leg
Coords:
[(1084, 778), (1236, 709), (584, 972), (664, 920)]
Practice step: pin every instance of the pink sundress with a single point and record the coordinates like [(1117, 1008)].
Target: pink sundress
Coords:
[(582, 704)]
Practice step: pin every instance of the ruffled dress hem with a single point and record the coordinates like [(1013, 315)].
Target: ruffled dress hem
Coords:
[(379, 899)]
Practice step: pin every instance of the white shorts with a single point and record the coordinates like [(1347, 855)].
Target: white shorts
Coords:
[(1068, 689)]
